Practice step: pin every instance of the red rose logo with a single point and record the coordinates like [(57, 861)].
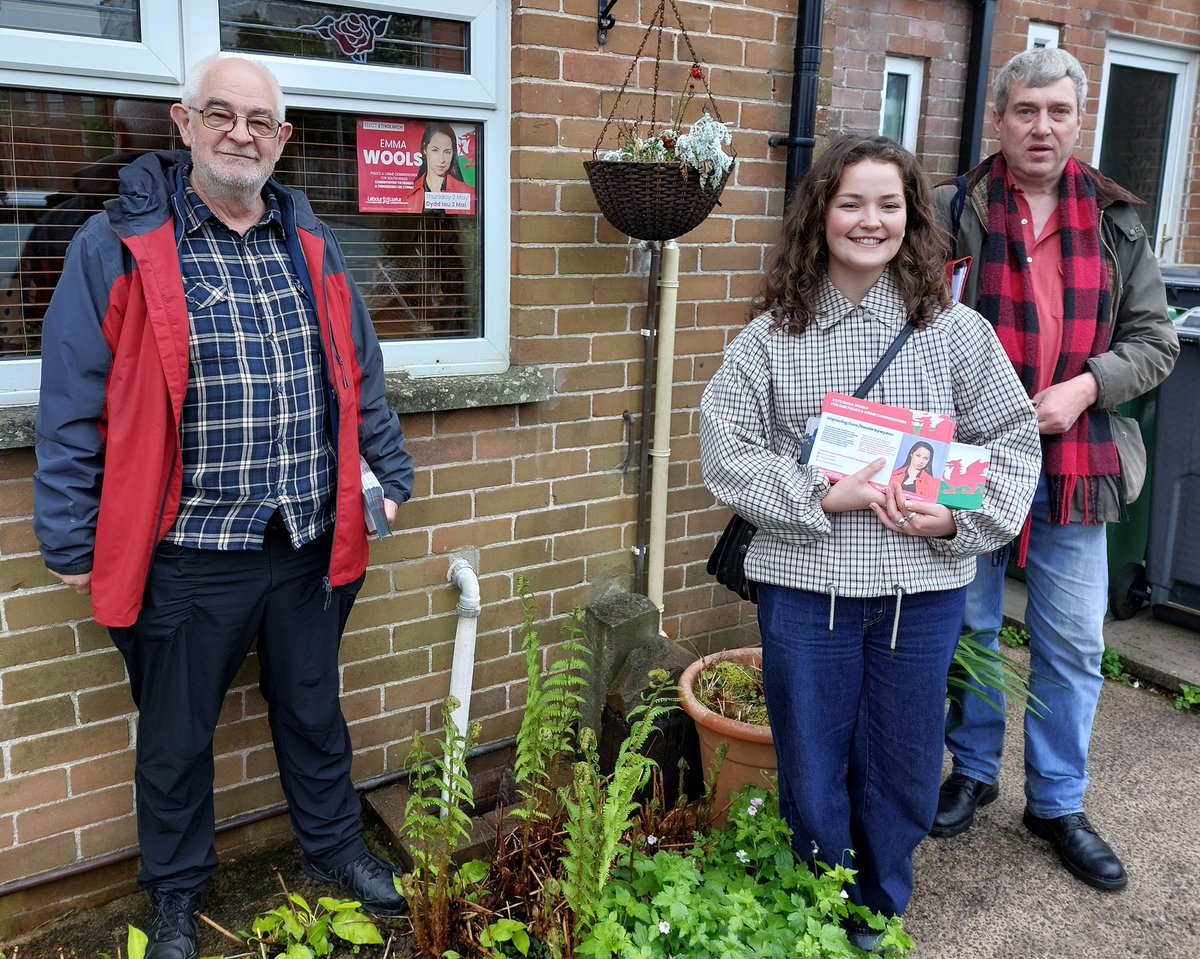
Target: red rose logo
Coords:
[(354, 33)]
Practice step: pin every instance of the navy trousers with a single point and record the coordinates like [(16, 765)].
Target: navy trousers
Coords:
[(858, 727), (202, 612)]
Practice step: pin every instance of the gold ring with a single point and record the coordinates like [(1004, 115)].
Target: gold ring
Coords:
[(902, 520)]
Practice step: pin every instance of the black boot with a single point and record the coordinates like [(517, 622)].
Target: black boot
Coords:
[(958, 799), (172, 931)]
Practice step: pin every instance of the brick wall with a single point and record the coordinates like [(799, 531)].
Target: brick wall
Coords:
[(535, 488)]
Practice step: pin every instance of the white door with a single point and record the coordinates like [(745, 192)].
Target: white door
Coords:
[(1146, 102)]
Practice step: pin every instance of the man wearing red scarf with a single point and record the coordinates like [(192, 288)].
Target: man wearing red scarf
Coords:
[(1064, 272)]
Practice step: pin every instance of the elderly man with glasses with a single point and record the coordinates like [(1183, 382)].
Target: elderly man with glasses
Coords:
[(210, 380)]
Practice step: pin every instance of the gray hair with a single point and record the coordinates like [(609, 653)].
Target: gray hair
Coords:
[(198, 73), (1039, 67)]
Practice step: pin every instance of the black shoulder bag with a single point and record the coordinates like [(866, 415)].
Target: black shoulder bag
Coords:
[(728, 560)]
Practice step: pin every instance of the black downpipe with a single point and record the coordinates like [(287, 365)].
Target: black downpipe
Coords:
[(806, 75), (983, 24)]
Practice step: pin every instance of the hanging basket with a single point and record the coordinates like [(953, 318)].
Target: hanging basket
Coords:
[(651, 201), (657, 200)]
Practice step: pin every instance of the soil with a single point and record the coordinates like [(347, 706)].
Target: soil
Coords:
[(240, 891)]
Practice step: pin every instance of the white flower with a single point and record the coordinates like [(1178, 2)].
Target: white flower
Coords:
[(743, 856), (752, 811), (757, 801), (664, 927), (651, 840), (845, 895)]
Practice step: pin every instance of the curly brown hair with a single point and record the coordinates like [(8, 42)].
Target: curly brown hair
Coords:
[(800, 259)]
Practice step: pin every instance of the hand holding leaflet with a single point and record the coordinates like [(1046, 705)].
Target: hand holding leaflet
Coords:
[(373, 501)]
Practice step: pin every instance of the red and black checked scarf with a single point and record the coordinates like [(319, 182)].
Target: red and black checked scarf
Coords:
[(1086, 451)]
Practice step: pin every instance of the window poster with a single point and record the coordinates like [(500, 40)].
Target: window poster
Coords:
[(417, 166)]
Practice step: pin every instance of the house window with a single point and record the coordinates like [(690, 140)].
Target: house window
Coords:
[(440, 305), (111, 19), (902, 78), (1041, 35)]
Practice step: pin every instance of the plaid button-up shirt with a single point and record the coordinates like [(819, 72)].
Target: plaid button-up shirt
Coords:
[(255, 434), (753, 414)]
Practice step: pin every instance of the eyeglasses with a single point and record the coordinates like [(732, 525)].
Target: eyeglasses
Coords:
[(216, 118)]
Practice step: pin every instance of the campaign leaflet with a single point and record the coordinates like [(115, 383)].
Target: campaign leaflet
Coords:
[(918, 448), (408, 165)]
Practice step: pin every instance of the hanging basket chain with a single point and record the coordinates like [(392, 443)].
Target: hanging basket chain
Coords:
[(657, 21)]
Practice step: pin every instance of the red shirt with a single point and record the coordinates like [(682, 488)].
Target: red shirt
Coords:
[(1045, 261)]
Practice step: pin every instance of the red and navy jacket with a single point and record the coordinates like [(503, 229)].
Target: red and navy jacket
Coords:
[(115, 373)]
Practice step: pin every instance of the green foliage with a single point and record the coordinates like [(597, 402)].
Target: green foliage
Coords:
[(502, 932), (552, 711), (296, 930), (975, 668), (436, 820), (1188, 698), (1112, 666), (733, 690), (1014, 636), (600, 810), (738, 892), (136, 942)]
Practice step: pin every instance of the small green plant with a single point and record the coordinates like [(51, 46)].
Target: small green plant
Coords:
[(1112, 666), (297, 930), (737, 892), (733, 690), (435, 821), (976, 668), (1014, 637), (1188, 698), (600, 809)]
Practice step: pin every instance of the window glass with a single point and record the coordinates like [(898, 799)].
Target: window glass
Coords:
[(110, 19), (322, 31), (60, 155), (895, 99)]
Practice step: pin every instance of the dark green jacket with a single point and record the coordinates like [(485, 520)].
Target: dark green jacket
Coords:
[(1144, 343)]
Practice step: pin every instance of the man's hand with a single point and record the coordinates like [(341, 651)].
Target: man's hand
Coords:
[(854, 492), (80, 582), (1058, 406), (389, 511)]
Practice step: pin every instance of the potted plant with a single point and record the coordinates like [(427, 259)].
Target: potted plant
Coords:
[(662, 180), (724, 696)]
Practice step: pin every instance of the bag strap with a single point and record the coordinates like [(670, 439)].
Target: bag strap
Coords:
[(883, 363), (957, 205)]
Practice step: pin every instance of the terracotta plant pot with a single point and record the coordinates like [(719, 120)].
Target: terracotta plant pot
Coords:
[(751, 756)]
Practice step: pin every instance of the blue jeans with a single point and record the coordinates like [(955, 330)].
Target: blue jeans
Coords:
[(1067, 579), (858, 727)]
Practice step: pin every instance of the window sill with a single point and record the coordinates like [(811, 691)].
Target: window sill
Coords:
[(406, 394)]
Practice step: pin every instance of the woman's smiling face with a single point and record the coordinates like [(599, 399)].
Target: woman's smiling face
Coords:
[(439, 151), (919, 458), (864, 223)]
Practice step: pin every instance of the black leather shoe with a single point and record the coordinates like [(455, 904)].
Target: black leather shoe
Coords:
[(958, 799), (368, 880), (172, 932), (1079, 846)]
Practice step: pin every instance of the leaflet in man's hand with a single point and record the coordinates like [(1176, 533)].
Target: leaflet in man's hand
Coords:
[(373, 509), (918, 448)]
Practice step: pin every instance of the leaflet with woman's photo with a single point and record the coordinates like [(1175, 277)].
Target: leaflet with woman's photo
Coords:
[(854, 432)]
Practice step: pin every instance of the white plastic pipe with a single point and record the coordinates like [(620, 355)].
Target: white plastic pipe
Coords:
[(660, 452), (462, 668)]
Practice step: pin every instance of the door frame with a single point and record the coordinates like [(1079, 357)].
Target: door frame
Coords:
[(1183, 64)]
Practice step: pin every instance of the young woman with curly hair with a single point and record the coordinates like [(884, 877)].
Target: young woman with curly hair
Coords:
[(860, 592)]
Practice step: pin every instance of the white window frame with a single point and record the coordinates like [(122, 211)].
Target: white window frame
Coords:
[(178, 32), (1185, 65), (1042, 35), (914, 69)]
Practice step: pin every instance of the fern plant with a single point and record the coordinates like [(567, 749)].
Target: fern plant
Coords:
[(436, 819), (600, 810), (553, 707)]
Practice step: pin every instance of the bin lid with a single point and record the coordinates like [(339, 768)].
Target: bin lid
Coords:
[(1186, 275)]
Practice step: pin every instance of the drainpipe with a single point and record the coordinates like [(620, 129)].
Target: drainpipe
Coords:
[(983, 24), (462, 668), (668, 286), (806, 75), (648, 335)]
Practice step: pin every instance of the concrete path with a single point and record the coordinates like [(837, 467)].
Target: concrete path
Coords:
[(999, 892)]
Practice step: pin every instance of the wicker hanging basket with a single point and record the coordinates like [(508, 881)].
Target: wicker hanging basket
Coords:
[(653, 201)]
